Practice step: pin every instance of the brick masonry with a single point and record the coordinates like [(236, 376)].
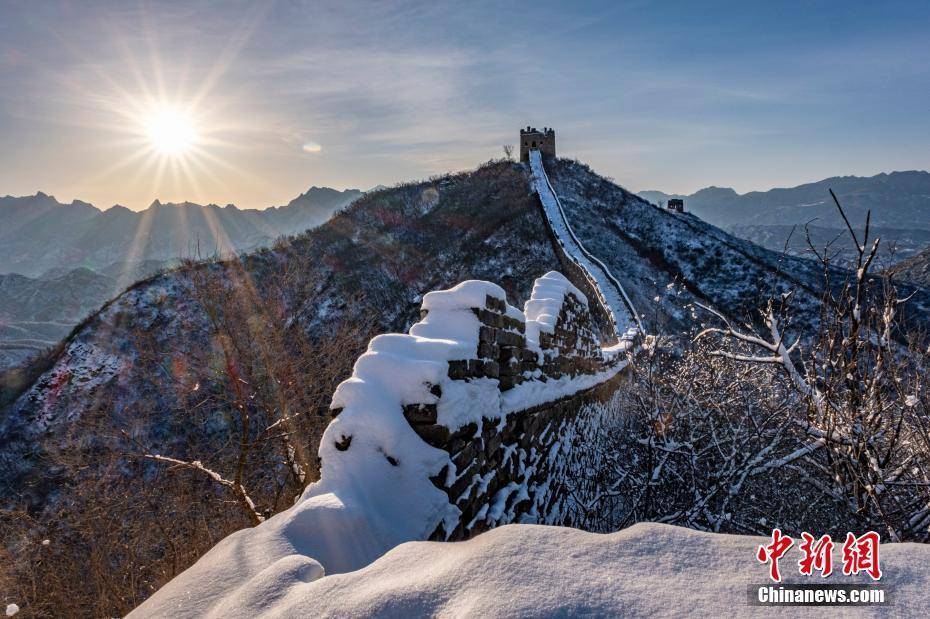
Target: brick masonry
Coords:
[(508, 468), (503, 469)]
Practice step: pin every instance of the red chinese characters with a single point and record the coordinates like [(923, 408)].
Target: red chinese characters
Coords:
[(817, 555), (860, 554), (773, 552)]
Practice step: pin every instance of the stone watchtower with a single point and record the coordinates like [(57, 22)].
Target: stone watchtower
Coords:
[(531, 138)]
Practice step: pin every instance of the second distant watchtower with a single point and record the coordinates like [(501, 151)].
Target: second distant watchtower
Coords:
[(531, 138)]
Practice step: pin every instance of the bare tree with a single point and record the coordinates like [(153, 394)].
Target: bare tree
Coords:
[(263, 378), (508, 152), (749, 426), (859, 382)]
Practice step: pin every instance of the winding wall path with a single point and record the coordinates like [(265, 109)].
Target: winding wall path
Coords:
[(611, 294)]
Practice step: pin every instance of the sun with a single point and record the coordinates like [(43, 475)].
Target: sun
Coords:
[(171, 132)]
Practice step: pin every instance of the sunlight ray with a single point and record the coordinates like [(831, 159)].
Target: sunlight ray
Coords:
[(236, 43)]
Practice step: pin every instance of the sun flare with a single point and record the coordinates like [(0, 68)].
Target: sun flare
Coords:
[(171, 132)]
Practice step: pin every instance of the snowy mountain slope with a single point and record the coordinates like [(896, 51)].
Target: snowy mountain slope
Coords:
[(899, 203), (667, 261), (540, 571), (915, 270)]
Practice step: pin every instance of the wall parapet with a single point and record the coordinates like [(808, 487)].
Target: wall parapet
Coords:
[(487, 389)]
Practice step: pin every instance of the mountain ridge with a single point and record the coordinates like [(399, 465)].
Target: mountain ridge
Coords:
[(914, 270), (734, 193), (42, 233), (898, 204)]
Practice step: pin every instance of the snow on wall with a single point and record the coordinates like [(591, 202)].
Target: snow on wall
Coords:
[(609, 290), (453, 428)]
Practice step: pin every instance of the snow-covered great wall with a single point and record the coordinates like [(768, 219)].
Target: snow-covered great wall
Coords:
[(456, 427), (589, 271), (460, 425)]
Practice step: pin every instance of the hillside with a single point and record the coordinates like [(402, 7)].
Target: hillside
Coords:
[(35, 313), (899, 203), (897, 243), (915, 270), (198, 362), (41, 234)]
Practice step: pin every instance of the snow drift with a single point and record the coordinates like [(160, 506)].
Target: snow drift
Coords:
[(539, 571)]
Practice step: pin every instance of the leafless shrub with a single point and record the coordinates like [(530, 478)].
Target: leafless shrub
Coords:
[(861, 393), (748, 428)]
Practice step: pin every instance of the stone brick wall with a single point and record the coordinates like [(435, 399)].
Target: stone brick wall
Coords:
[(505, 463), (531, 138), (579, 278), (508, 470), (503, 469)]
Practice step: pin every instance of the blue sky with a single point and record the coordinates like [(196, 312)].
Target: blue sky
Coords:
[(658, 95)]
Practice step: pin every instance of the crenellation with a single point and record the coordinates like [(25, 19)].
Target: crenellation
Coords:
[(514, 451), (533, 139)]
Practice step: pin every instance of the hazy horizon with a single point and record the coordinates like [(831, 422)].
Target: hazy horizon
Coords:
[(69, 200), (278, 97)]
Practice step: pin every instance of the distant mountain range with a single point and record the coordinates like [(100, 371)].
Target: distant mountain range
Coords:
[(59, 262), (37, 312), (899, 203), (40, 234)]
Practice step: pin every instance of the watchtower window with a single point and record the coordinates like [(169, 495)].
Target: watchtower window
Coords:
[(534, 144)]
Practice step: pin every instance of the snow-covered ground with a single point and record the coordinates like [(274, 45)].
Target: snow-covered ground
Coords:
[(613, 296), (540, 571)]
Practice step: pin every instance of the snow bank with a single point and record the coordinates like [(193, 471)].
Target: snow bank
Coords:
[(541, 571), (533, 393), (542, 309), (373, 497)]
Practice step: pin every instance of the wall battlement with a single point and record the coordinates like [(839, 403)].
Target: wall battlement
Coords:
[(492, 392), (467, 422)]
